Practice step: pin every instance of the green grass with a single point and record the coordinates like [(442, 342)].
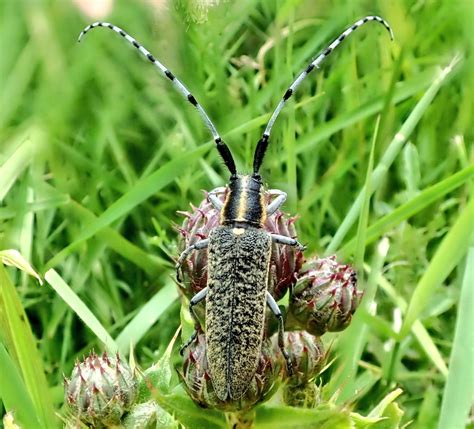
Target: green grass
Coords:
[(97, 153)]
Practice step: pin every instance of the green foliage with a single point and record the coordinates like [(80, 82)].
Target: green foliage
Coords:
[(24, 385), (459, 388), (97, 152)]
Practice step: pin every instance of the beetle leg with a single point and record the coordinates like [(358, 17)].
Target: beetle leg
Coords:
[(277, 202), (281, 239), (196, 299), (214, 199), (281, 330), (201, 244)]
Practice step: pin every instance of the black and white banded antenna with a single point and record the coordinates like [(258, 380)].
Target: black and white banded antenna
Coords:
[(221, 146), (263, 142)]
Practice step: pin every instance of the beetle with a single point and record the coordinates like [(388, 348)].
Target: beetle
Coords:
[(239, 248)]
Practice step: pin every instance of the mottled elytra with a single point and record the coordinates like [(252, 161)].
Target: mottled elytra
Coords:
[(239, 248)]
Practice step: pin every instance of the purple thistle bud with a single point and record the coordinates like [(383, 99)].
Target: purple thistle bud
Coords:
[(325, 296), (306, 353), (100, 390), (198, 381)]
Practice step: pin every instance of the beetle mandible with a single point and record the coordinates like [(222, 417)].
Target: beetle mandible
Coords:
[(239, 248)]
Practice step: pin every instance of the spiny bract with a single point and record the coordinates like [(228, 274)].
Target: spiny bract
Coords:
[(101, 389)]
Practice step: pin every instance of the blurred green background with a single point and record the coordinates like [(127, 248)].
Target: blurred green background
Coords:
[(98, 152)]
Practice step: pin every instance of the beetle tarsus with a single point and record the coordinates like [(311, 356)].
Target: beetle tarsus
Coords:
[(188, 343), (178, 275), (289, 365), (301, 247)]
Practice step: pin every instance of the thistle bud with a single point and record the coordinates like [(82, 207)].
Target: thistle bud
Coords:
[(306, 354), (325, 296), (285, 260), (196, 226), (101, 389), (198, 381)]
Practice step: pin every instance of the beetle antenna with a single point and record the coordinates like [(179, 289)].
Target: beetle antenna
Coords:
[(263, 142), (221, 146)]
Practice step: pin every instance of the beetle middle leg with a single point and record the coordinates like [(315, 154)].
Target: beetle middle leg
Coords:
[(196, 299), (281, 330), (201, 244)]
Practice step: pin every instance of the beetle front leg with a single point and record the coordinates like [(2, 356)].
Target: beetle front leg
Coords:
[(281, 239), (281, 330), (277, 202), (201, 244), (214, 199), (196, 299)]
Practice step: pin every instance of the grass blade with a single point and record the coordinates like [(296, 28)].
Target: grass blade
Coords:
[(419, 331), (146, 318), (390, 154), (14, 393), (142, 190), (16, 163), (323, 132), (78, 306), (459, 389), (21, 344), (113, 239), (380, 408), (364, 215), (14, 258), (415, 205), (352, 341), (453, 247), (116, 241), (14, 88), (355, 336)]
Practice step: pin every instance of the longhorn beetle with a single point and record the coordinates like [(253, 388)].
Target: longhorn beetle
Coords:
[(239, 248)]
